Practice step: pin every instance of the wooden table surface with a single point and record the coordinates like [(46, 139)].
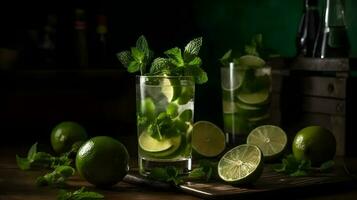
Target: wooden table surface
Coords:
[(17, 185)]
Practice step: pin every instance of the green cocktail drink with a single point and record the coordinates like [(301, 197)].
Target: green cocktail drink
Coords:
[(246, 96), (165, 107)]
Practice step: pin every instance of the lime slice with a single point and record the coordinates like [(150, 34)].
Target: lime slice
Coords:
[(241, 165), (231, 78), (272, 140), (171, 89), (149, 144), (251, 61), (229, 107), (250, 111), (256, 98), (207, 139)]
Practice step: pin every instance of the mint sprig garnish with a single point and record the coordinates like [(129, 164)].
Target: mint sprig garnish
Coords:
[(294, 167), (81, 194), (177, 62)]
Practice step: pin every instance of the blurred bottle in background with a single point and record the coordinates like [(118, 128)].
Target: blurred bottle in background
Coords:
[(81, 49), (308, 28), (47, 44), (332, 41), (99, 51)]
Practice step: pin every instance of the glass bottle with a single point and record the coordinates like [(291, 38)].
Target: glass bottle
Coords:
[(332, 41), (80, 26), (308, 29)]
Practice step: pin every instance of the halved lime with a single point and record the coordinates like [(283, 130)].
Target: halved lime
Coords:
[(251, 61), (255, 98), (207, 139), (159, 148), (241, 165), (271, 139)]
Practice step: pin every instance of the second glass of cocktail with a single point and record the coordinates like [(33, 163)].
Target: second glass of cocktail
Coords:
[(246, 95), (165, 106)]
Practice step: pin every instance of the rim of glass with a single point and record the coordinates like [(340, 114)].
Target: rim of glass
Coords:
[(162, 76), (237, 66)]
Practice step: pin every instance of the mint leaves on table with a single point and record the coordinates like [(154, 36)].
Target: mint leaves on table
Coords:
[(206, 170), (178, 62), (293, 167), (57, 177), (42, 160), (255, 46), (80, 194)]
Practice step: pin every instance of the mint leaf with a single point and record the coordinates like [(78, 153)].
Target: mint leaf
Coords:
[(172, 110), (56, 178), (192, 49), (143, 45), (197, 173), (168, 174), (134, 66), (199, 75), (196, 62), (327, 166), (137, 54), (154, 131), (299, 172), (23, 163), (160, 66), (175, 56), (32, 152), (226, 58), (125, 58), (186, 115), (80, 194)]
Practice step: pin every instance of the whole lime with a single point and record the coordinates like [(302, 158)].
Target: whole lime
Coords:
[(314, 143), (65, 134), (103, 161)]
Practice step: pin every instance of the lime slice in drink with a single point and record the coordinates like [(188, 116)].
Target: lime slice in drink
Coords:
[(241, 165), (251, 61), (231, 78), (208, 140), (256, 98), (250, 111), (229, 107), (272, 140), (159, 148), (171, 89)]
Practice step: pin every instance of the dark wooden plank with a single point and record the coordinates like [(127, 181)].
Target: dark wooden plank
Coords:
[(323, 86), (316, 64)]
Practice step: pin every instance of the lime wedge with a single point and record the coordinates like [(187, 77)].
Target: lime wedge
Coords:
[(208, 140), (256, 98), (241, 165), (272, 140), (251, 61)]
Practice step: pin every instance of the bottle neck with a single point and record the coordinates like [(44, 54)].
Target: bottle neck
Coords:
[(311, 4), (335, 13)]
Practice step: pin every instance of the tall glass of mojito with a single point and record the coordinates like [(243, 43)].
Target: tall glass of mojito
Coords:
[(165, 107), (246, 96)]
